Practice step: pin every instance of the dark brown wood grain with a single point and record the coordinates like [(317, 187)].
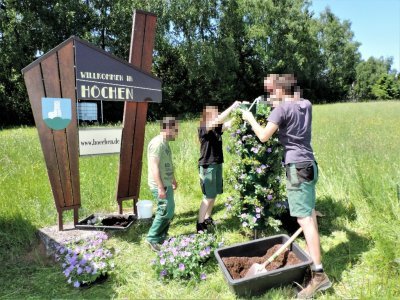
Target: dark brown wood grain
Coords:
[(34, 85), (53, 90), (67, 80), (141, 54)]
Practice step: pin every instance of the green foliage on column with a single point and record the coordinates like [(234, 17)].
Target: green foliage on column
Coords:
[(257, 175)]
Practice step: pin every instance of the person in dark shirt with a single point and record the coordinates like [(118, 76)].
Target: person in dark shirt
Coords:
[(211, 159), (293, 116)]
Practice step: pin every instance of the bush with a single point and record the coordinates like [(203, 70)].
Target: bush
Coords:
[(257, 176)]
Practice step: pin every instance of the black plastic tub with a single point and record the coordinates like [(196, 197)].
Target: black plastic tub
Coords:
[(106, 221), (260, 283)]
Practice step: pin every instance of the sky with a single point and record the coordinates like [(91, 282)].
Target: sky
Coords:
[(375, 23)]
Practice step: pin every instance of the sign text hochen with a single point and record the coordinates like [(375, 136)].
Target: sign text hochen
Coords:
[(100, 76)]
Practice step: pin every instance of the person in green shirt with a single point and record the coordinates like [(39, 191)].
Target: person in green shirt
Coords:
[(162, 181)]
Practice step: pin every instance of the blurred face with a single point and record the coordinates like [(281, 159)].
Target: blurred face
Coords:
[(269, 84), (211, 112), (172, 132)]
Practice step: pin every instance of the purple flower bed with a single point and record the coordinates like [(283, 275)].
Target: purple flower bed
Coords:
[(183, 257), (85, 260)]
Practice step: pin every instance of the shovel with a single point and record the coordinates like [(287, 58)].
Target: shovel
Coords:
[(256, 269)]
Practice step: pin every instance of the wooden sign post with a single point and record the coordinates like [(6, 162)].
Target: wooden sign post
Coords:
[(135, 114), (77, 70)]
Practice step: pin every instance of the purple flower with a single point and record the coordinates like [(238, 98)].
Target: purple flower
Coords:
[(238, 131), (269, 197), (77, 284), (162, 261), (171, 259), (203, 276), (244, 224), (269, 150), (263, 166), (258, 170), (88, 269), (254, 219), (202, 253), (208, 250), (79, 270), (163, 273), (181, 267), (258, 210), (255, 149), (258, 216), (67, 272)]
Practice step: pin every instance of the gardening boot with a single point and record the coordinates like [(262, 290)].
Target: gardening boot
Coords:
[(209, 221), (201, 227), (318, 282), (154, 246)]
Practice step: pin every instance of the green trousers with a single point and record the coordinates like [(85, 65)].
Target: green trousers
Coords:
[(164, 214)]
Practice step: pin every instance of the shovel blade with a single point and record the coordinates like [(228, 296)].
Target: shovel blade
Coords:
[(255, 269)]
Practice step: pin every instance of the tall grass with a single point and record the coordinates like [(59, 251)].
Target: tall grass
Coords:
[(356, 146)]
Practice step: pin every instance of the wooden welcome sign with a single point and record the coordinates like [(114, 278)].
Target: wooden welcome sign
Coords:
[(77, 70)]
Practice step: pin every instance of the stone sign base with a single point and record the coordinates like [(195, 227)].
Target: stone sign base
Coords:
[(51, 237)]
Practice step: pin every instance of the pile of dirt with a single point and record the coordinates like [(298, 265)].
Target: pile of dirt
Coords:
[(116, 221), (239, 265)]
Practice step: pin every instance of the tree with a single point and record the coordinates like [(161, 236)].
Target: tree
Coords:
[(280, 32), (340, 56), (387, 87), (367, 74), (27, 30)]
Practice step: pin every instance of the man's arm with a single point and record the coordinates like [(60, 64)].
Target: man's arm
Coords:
[(263, 133), (155, 170)]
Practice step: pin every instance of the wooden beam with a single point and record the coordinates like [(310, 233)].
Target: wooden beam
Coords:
[(134, 121)]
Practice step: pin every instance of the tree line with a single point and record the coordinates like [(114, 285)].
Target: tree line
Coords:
[(206, 51)]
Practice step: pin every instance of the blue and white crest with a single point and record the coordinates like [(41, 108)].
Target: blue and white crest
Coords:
[(56, 112)]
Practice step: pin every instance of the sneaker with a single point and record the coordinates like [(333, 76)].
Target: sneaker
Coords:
[(318, 282), (154, 246), (201, 227)]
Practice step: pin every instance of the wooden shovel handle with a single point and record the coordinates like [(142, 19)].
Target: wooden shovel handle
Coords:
[(283, 247)]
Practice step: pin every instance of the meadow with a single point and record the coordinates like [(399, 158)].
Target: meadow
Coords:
[(357, 148)]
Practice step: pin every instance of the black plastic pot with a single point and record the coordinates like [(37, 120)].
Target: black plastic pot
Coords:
[(260, 283)]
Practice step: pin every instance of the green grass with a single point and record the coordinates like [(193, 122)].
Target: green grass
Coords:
[(357, 148)]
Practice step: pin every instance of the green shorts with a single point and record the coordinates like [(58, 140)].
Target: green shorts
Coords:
[(300, 184), (211, 180)]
